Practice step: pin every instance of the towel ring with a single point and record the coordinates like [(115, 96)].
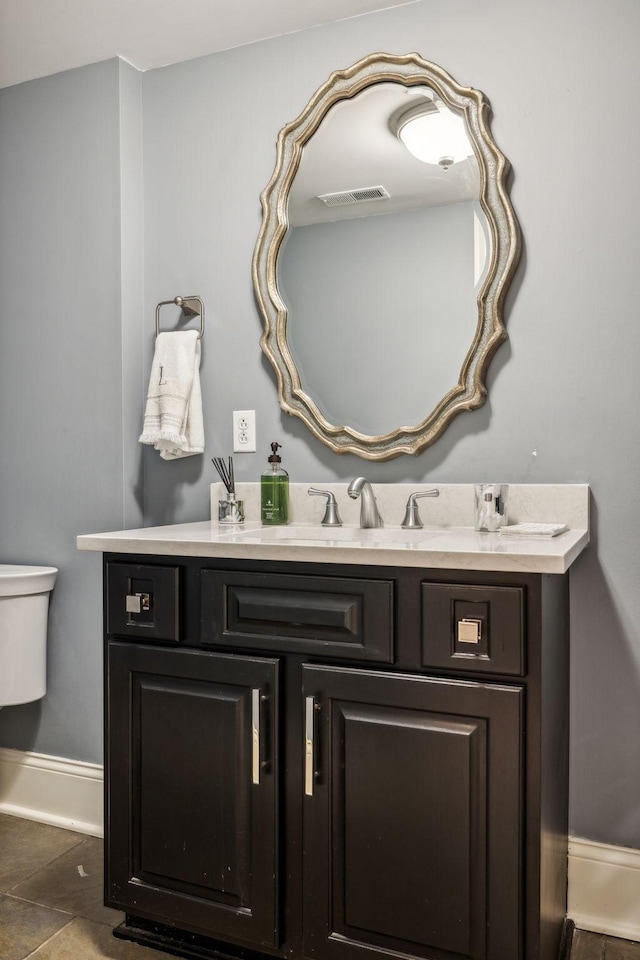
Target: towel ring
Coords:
[(191, 307)]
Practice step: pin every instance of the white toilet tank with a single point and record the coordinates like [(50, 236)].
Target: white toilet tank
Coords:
[(24, 604)]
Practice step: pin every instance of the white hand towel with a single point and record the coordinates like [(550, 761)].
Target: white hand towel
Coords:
[(173, 414)]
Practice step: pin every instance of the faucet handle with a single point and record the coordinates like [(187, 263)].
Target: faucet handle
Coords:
[(331, 516), (412, 515)]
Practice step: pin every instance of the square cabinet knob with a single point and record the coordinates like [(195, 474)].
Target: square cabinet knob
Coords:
[(469, 631), (137, 602)]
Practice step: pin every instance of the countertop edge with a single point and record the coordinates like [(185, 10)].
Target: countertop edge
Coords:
[(517, 559)]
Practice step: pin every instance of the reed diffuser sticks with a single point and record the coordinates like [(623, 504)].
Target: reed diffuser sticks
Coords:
[(225, 472)]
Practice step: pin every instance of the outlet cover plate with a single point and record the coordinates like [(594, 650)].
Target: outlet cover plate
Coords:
[(244, 431)]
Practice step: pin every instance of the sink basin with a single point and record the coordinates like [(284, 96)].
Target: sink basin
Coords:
[(332, 535)]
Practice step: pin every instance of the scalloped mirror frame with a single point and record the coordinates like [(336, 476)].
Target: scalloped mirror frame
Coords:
[(470, 391)]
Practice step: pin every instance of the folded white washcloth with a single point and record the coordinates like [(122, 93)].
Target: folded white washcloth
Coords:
[(173, 414), (533, 531)]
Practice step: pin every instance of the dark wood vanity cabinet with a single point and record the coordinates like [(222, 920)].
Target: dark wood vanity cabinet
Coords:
[(192, 825), (337, 763), (412, 816)]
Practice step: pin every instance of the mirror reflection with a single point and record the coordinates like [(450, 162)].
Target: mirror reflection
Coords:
[(383, 257)]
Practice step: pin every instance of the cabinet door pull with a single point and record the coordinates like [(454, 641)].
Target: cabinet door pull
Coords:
[(255, 735), (309, 772)]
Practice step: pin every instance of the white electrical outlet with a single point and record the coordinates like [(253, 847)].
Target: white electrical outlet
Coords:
[(244, 431)]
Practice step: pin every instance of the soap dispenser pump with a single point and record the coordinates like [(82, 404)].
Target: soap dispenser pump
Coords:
[(274, 491)]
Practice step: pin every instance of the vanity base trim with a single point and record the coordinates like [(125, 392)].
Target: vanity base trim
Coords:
[(180, 943)]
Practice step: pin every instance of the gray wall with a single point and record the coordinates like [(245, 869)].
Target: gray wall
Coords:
[(69, 152), (564, 394)]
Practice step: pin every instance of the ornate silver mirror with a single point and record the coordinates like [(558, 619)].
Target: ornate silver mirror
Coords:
[(386, 248)]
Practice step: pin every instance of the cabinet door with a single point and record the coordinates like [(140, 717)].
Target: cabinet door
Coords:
[(191, 816), (412, 817)]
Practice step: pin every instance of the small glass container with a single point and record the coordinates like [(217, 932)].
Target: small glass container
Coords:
[(231, 510), (490, 506)]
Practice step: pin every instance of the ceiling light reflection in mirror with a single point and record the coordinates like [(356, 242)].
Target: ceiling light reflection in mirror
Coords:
[(434, 134), (382, 261)]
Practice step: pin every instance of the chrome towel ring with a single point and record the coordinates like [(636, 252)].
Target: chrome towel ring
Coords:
[(191, 307)]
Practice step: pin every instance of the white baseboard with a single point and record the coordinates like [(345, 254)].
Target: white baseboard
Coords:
[(64, 793), (604, 881), (604, 888)]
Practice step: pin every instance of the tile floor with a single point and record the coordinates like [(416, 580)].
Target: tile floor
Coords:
[(51, 897), (51, 902)]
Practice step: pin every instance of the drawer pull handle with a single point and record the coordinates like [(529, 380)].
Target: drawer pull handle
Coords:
[(309, 771), (255, 735), (137, 603), (469, 630)]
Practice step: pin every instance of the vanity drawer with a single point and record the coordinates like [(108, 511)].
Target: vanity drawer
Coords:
[(335, 617), (474, 628), (143, 601)]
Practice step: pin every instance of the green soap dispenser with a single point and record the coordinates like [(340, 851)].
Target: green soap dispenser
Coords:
[(274, 491)]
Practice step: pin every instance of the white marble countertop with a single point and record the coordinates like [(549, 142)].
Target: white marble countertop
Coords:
[(447, 540), (453, 548)]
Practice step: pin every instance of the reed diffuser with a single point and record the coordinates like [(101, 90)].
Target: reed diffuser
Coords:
[(230, 510)]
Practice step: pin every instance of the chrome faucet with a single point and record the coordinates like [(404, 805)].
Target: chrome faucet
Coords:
[(369, 516)]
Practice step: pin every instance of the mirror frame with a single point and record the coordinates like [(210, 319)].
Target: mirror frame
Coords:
[(470, 391)]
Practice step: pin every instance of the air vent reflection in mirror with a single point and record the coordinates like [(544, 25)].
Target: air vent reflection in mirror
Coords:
[(355, 196)]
